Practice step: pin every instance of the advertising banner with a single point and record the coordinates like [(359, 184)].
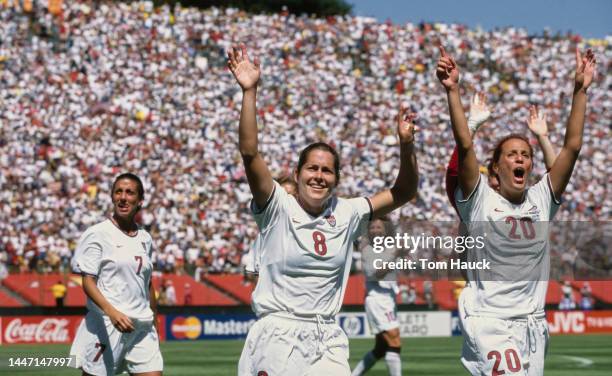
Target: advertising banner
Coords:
[(38, 329), (425, 324), (202, 326), (48, 329), (354, 324), (455, 325), (579, 322), (412, 324)]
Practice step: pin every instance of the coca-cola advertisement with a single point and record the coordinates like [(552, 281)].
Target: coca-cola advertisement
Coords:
[(38, 329)]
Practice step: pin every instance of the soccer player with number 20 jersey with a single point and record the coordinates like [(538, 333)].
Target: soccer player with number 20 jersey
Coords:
[(502, 315)]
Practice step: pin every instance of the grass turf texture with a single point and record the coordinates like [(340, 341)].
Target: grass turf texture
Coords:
[(568, 355)]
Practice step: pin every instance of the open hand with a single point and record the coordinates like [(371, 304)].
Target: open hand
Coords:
[(246, 72), (479, 109), (537, 121), (585, 69)]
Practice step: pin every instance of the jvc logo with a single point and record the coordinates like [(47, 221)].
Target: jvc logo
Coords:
[(567, 322)]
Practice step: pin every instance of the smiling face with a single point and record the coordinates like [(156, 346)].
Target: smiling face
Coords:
[(126, 200), (513, 167), (376, 228), (316, 180)]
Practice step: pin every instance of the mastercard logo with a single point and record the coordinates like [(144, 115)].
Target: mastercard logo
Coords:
[(186, 327)]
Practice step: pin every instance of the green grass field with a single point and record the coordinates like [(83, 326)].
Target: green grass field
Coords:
[(568, 356)]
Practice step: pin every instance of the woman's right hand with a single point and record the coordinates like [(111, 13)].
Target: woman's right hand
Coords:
[(537, 121), (447, 70), (246, 72), (120, 321)]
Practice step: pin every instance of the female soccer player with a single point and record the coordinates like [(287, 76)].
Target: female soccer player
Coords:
[(503, 321), (251, 268), (381, 290), (308, 241), (479, 114), (114, 257)]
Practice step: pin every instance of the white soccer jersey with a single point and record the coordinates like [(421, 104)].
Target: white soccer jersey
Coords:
[(122, 265), (307, 259), (251, 259), (516, 243), (377, 285)]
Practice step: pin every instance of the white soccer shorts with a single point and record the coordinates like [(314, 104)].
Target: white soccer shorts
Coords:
[(382, 313), (100, 349), (515, 347), (279, 345)]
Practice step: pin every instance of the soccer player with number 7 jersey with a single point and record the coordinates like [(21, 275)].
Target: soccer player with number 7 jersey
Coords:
[(308, 240), (119, 332), (502, 310)]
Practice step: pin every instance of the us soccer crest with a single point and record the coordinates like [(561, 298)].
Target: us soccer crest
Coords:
[(331, 220)]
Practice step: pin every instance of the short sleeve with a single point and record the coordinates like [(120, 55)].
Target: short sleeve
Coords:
[(88, 255), (362, 212), (151, 247), (250, 262), (266, 216), (544, 195), (367, 259), (467, 206)]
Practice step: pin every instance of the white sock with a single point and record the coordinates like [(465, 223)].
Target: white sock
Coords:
[(365, 364), (394, 363)]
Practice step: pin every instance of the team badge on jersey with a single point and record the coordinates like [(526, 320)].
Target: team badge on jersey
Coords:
[(331, 220)]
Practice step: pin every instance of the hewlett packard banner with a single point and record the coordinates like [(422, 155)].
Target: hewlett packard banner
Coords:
[(354, 324), (412, 324)]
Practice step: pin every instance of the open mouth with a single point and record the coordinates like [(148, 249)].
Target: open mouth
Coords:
[(519, 175)]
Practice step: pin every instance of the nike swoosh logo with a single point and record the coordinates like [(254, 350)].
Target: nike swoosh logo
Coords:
[(499, 210), (119, 245)]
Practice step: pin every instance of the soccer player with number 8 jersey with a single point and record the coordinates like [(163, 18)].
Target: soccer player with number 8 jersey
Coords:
[(308, 240), (502, 311)]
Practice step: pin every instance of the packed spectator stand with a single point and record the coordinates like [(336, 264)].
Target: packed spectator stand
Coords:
[(105, 87)]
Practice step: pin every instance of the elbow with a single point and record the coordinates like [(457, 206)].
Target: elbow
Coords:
[(247, 152), (464, 146), (573, 148), (402, 195)]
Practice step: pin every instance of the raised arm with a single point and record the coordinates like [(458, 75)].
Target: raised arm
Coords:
[(247, 75), (538, 126), (479, 114), (405, 186), (448, 74), (561, 170)]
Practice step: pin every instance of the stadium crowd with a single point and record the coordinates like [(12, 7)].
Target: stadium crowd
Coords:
[(107, 87)]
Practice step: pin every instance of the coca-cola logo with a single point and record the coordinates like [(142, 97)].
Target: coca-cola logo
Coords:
[(47, 330)]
